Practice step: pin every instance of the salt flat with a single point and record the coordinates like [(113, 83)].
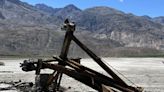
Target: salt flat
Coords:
[(144, 72)]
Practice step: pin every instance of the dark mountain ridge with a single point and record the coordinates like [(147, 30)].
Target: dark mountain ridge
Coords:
[(159, 19), (35, 30)]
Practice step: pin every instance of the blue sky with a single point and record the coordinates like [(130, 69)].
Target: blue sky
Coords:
[(151, 8)]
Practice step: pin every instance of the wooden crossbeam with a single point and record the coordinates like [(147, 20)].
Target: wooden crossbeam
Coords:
[(88, 78)]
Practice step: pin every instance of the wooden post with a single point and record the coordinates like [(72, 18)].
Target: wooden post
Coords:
[(37, 78), (70, 28), (66, 44)]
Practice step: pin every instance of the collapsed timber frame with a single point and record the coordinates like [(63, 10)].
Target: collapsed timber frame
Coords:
[(87, 76)]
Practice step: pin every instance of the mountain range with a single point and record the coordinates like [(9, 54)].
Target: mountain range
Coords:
[(36, 30)]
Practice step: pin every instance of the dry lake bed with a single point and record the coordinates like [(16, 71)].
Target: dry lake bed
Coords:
[(143, 72)]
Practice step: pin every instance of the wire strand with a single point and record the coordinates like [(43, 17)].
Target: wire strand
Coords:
[(119, 72)]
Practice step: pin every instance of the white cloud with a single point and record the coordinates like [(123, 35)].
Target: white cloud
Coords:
[(121, 0)]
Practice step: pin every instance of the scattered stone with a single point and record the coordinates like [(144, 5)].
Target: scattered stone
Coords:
[(2, 63), (163, 62), (6, 72), (69, 87), (16, 86)]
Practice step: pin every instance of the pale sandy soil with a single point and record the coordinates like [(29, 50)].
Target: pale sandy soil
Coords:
[(144, 72)]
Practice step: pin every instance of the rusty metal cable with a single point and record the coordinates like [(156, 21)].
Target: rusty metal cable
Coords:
[(119, 73)]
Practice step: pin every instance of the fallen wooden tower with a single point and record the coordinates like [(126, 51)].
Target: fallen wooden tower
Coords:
[(89, 77)]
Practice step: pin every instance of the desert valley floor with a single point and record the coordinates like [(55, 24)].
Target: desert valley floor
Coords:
[(144, 72)]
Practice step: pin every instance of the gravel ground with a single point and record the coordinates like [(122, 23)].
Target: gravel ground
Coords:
[(144, 72)]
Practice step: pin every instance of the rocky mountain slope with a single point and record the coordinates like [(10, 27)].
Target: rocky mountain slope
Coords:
[(159, 19), (35, 30)]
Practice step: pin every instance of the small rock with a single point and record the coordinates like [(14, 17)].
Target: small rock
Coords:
[(69, 87), (2, 64)]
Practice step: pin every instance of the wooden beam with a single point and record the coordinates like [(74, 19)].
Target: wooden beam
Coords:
[(88, 78), (98, 60)]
